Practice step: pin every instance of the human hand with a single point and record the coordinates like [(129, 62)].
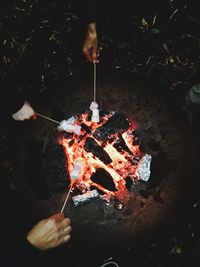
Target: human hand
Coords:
[(50, 232), (25, 113), (90, 45)]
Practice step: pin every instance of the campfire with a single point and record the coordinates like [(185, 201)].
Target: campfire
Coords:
[(104, 158), (119, 193)]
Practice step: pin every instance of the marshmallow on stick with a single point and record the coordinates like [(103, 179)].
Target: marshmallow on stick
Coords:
[(76, 170), (95, 111), (69, 126)]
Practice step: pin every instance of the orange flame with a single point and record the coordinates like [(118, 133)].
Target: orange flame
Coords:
[(120, 167)]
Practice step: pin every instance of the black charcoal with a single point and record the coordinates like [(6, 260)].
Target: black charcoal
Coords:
[(115, 124), (92, 146)]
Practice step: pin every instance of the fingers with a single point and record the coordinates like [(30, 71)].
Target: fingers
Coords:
[(60, 221), (62, 226), (86, 52), (64, 223), (95, 54), (65, 235), (62, 240), (91, 54), (66, 231), (33, 117), (58, 217), (66, 238), (90, 49), (60, 232)]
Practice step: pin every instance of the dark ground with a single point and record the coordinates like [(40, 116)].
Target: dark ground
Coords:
[(41, 48)]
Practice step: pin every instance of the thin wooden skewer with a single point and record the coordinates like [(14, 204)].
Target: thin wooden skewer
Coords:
[(65, 202), (40, 115), (66, 199), (95, 75)]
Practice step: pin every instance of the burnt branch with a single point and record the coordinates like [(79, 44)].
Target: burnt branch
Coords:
[(92, 146), (116, 124)]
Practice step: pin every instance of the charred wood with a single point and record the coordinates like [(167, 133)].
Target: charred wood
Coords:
[(121, 146), (92, 146), (116, 124), (103, 178), (85, 128)]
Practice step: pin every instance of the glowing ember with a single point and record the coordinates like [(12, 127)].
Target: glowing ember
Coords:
[(106, 153)]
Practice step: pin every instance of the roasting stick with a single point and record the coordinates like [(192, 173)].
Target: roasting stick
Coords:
[(94, 106), (67, 197), (73, 175), (40, 115), (95, 79), (65, 202)]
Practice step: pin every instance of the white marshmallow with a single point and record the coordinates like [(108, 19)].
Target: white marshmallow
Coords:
[(95, 115), (77, 129), (61, 126), (93, 105), (71, 120), (69, 127), (76, 170)]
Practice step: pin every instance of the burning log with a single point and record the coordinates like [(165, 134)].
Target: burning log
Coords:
[(110, 161), (121, 146), (129, 182), (116, 124), (92, 146), (99, 190), (86, 128), (103, 178)]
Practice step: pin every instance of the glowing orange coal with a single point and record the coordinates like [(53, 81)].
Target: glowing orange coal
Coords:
[(122, 162)]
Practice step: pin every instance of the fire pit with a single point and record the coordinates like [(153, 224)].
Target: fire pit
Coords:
[(106, 157), (136, 165)]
